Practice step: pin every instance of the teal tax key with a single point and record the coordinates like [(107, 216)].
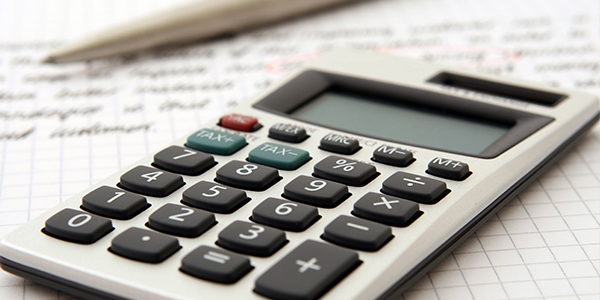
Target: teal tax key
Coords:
[(216, 142), (278, 156)]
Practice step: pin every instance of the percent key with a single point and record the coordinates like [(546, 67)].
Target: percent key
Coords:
[(344, 170)]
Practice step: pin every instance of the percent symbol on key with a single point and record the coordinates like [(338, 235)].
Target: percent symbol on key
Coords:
[(347, 167)]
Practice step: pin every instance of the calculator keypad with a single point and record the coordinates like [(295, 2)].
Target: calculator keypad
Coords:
[(345, 170), (215, 264), (144, 245), (245, 175), (214, 197), (307, 272), (114, 203), (77, 226), (386, 209), (414, 187), (318, 192), (248, 238), (181, 220), (285, 215), (182, 160), (150, 181), (357, 233)]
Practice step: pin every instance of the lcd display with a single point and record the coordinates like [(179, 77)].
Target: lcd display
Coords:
[(402, 123)]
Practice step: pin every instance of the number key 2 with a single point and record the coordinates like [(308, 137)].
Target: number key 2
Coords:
[(181, 220)]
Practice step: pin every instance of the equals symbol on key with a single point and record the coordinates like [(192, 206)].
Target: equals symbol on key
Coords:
[(216, 257)]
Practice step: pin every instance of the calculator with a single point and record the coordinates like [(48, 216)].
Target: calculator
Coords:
[(348, 180)]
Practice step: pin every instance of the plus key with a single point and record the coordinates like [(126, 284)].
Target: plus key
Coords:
[(307, 272)]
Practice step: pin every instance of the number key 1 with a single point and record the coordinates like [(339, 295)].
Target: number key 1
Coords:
[(114, 203)]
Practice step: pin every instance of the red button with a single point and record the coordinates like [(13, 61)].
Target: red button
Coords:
[(240, 122)]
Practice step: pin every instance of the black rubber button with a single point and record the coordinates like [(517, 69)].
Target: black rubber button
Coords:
[(214, 197), (144, 245), (393, 156), (181, 220), (249, 238), (307, 272), (357, 233), (182, 160), (414, 187), (77, 226), (216, 265), (386, 209), (287, 133), (114, 203), (245, 175), (285, 215), (150, 181), (318, 192), (339, 144), (345, 170), (448, 168)]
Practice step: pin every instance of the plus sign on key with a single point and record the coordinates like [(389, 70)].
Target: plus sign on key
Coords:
[(386, 209)]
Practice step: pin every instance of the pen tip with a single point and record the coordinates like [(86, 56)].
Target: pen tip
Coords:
[(49, 60)]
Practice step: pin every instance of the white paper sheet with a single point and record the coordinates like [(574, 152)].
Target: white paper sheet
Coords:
[(64, 127)]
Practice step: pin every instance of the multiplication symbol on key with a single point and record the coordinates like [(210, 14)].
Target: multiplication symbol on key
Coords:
[(342, 163), (412, 182), (386, 202)]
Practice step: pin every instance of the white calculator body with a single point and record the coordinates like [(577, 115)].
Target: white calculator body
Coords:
[(348, 180)]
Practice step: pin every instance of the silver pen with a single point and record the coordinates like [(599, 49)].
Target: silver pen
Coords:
[(186, 24)]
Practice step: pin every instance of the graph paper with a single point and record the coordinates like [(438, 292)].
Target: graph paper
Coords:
[(65, 127)]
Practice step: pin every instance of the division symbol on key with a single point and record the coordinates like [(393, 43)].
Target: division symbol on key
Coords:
[(216, 257), (345, 165), (386, 202), (310, 264), (412, 182)]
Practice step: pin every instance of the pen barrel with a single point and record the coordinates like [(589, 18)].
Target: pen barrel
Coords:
[(190, 23)]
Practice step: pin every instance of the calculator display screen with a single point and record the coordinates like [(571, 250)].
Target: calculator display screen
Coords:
[(400, 122)]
